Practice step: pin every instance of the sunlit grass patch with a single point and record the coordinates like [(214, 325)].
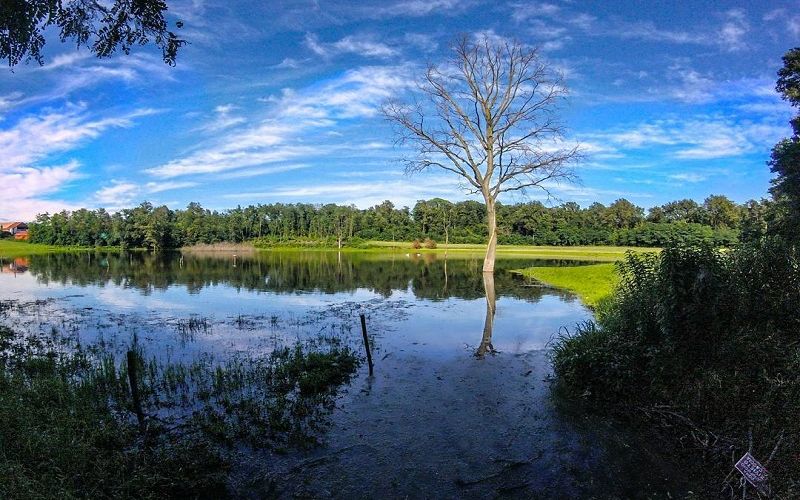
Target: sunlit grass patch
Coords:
[(591, 283), (596, 253), (13, 248)]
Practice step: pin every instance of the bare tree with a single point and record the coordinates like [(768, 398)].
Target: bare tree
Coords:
[(489, 115)]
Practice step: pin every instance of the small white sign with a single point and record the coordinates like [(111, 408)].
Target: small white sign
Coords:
[(755, 473)]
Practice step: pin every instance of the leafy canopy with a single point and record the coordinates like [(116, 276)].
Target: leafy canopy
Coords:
[(785, 159), (103, 27)]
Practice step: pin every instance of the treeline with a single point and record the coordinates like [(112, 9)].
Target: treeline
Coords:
[(717, 221)]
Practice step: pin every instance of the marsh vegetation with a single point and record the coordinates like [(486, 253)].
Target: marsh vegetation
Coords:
[(251, 379)]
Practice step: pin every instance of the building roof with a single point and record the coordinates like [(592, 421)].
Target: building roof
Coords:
[(6, 226)]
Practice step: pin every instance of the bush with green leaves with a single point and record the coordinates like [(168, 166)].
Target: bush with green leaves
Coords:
[(709, 339)]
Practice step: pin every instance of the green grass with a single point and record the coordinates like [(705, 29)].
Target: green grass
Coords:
[(589, 253), (13, 248), (10, 248), (590, 283)]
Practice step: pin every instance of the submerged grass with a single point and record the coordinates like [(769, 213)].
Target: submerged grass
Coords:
[(591, 283), (69, 427)]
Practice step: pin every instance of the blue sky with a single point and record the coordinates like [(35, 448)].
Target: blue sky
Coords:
[(278, 102)]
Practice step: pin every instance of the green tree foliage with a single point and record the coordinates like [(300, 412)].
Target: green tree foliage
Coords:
[(720, 212), (103, 27), (621, 223), (785, 159), (754, 220), (677, 211), (623, 214)]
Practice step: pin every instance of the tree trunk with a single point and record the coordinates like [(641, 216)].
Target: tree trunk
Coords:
[(488, 326), (446, 241), (491, 247)]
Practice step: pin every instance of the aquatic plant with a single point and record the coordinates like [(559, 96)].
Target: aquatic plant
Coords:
[(70, 427)]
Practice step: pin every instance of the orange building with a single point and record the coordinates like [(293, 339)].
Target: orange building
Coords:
[(18, 229)]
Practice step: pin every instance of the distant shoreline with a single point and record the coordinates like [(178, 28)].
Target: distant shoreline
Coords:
[(10, 249)]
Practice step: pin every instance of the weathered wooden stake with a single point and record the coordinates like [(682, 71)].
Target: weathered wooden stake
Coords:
[(366, 343), (137, 403)]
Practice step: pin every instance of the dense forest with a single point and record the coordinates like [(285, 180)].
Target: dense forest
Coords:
[(717, 221)]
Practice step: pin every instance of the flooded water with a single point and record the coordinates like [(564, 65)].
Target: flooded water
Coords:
[(459, 405)]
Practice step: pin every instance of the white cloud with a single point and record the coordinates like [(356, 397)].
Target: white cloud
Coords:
[(258, 172), (363, 194), (793, 25), (35, 139), (23, 201), (733, 30), (423, 41), (70, 73), (289, 63), (223, 118), (696, 138), (8, 101), (556, 23), (774, 14), (120, 194), (692, 177), (158, 187), (692, 86), (351, 44), (293, 120), (418, 8), (522, 12)]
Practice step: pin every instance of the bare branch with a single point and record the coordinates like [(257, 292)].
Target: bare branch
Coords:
[(490, 116)]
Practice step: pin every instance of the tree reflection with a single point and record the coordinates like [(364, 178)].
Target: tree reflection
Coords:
[(488, 325), (426, 277)]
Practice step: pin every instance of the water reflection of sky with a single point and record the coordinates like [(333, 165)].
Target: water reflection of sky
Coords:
[(414, 317)]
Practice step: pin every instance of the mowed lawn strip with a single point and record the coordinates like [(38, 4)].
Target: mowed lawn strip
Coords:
[(587, 253), (12, 248), (590, 283)]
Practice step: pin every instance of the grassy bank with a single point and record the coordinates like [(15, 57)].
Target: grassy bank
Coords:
[(701, 347), (590, 283), (587, 253), (12, 248)]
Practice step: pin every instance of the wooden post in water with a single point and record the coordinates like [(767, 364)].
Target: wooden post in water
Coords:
[(132, 380), (366, 343)]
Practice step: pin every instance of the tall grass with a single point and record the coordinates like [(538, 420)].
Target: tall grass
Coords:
[(705, 344), (69, 427)]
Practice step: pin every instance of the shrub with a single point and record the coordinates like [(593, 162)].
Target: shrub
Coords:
[(429, 243), (702, 336), (416, 244)]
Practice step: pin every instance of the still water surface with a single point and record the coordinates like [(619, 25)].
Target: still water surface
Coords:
[(425, 304), (460, 404)]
